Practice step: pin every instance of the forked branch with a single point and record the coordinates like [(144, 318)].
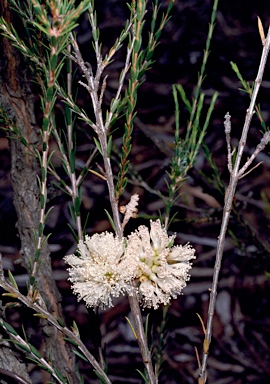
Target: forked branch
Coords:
[(235, 174)]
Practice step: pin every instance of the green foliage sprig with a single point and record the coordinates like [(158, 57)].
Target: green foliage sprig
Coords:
[(141, 61), (249, 90), (187, 148)]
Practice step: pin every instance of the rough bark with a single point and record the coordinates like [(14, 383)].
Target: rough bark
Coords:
[(18, 103), (11, 368)]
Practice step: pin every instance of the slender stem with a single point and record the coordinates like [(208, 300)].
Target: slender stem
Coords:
[(110, 183), (133, 300), (45, 133), (93, 85), (205, 58), (72, 175), (14, 376), (28, 301), (25, 346), (235, 174), (121, 83), (142, 340)]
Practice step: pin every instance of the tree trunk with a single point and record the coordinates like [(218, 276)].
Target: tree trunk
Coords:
[(18, 102)]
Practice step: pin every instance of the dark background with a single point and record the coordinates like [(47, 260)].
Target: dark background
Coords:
[(239, 350)]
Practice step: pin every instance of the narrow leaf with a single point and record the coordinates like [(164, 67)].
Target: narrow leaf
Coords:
[(79, 354), (12, 280), (110, 220), (71, 341)]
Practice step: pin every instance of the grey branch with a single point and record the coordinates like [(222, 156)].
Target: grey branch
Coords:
[(235, 174)]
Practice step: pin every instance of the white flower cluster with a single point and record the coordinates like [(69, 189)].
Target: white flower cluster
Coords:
[(101, 271), (106, 266)]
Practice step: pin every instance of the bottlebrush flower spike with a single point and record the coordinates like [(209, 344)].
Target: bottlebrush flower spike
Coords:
[(162, 269)]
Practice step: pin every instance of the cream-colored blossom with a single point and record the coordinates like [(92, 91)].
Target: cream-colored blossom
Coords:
[(130, 210), (162, 269), (101, 271)]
